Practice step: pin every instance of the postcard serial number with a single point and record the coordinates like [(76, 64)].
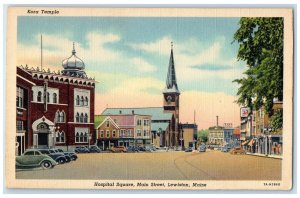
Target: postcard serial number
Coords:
[(42, 11), (271, 184)]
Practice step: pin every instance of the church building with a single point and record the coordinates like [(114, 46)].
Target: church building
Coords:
[(165, 119), (55, 109)]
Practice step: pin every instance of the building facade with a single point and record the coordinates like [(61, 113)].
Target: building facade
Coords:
[(262, 138), (160, 125), (216, 136), (59, 109), (123, 130), (188, 135)]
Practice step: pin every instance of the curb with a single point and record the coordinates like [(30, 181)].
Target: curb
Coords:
[(266, 156)]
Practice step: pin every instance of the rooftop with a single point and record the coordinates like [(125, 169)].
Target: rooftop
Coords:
[(157, 113)]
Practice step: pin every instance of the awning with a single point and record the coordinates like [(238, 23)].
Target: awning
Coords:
[(245, 143)]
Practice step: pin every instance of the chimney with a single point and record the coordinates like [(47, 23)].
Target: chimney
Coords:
[(217, 121)]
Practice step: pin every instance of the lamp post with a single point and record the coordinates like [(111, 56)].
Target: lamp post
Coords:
[(54, 135), (89, 138)]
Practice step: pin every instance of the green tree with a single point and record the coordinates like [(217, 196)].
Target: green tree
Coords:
[(276, 120), (203, 135), (261, 47)]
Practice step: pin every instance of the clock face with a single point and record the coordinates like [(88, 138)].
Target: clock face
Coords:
[(169, 99)]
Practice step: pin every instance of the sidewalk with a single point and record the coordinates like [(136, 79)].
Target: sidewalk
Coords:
[(263, 155)]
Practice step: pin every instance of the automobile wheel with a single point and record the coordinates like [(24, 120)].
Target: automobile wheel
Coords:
[(46, 164), (61, 161)]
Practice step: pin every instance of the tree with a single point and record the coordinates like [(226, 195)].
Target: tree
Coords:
[(203, 135), (261, 46), (276, 120)]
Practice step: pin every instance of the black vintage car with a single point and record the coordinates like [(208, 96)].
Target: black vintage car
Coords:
[(58, 157), (94, 149), (72, 155), (189, 149), (81, 149), (68, 158)]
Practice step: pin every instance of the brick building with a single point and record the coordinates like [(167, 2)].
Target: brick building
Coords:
[(55, 109)]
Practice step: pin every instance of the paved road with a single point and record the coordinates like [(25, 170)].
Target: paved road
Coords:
[(212, 165)]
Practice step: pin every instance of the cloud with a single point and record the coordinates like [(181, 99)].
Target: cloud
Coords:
[(141, 65), (131, 92), (211, 67), (160, 46), (195, 59), (96, 53)]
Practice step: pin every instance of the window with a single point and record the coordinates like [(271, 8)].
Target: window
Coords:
[(86, 118), (139, 122), (139, 133), (19, 125), (81, 117), (107, 134), (62, 117), (60, 137), (129, 132), (145, 122), (54, 98), (122, 133), (107, 123), (145, 133), (102, 134), (77, 117), (77, 100), (86, 101), (29, 153), (85, 138), (20, 97), (114, 133), (81, 101), (77, 137), (48, 97), (39, 97)]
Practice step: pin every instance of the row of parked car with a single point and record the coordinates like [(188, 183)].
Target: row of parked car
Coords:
[(45, 158), (86, 149)]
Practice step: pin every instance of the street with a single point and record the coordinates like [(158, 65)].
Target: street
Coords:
[(210, 165)]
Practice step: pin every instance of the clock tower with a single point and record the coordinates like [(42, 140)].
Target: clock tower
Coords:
[(171, 100)]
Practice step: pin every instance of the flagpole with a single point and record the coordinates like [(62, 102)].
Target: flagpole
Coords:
[(41, 52)]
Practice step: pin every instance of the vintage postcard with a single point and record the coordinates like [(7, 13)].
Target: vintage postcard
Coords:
[(149, 98)]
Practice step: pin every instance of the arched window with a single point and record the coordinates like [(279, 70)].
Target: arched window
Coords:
[(77, 100), (86, 101), (54, 98), (62, 117), (81, 137), (77, 137), (57, 116), (39, 97), (81, 101), (81, 117), (60, 137), (86, 118), (85, 137), (77, 117), (48, 97)]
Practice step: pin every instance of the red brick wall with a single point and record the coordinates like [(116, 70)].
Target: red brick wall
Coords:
[(66, 96)]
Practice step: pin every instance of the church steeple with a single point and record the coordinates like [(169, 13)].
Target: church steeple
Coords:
[(171, 83)]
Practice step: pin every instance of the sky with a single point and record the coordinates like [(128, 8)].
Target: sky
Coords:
[(129, 58)]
